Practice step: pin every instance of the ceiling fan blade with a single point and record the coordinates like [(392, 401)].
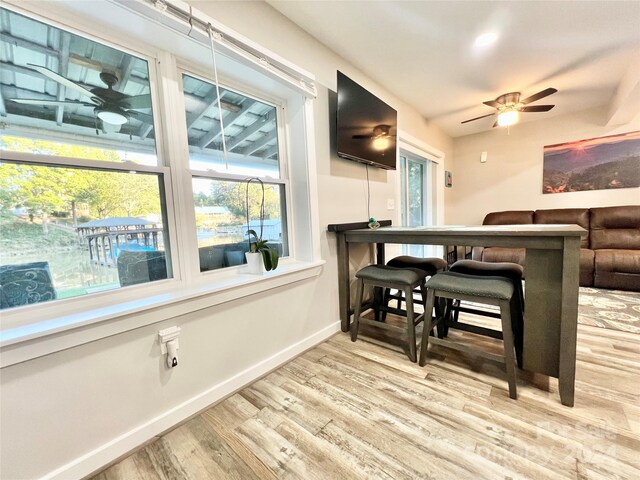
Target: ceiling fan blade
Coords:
[(492, 103), (362, 136), (49, 103), (139, 101), (143, 117), (60, 79), (495, 124), (544, 93), (478, 118), (537, 108)]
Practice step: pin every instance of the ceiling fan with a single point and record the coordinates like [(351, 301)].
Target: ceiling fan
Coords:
[(509, 106), (110, 106), (378, 131), (380, 135)]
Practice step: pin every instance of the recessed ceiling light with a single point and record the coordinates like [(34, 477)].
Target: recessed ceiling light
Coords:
[(485, 40)]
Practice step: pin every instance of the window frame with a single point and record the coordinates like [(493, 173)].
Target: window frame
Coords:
[(186, 68), (24, 314)]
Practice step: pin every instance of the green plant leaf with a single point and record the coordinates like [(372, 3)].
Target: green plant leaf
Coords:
[(266, 259), (274, 258)]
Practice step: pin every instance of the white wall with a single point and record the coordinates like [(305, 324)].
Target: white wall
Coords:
[(57, 408), (511, 179)]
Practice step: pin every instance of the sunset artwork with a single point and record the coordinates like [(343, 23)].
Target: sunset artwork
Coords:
[(592, 164)]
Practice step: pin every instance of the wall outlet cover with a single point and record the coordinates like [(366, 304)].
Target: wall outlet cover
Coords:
[(391, 204)]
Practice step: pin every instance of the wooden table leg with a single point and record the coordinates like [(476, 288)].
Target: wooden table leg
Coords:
[(542, 311), (380, 260), (569, 320), (378, 292), (344, 293)]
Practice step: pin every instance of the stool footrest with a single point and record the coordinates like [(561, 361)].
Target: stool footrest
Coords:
[(466, 349), (467, 327), (382, 325), (475, 311)]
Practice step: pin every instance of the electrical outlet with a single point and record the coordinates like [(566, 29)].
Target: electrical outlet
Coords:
[(391, 204)]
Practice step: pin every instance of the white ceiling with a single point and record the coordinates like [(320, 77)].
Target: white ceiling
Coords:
[(422, 51)]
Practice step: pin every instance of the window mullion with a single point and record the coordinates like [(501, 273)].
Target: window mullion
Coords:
[(175, 139)]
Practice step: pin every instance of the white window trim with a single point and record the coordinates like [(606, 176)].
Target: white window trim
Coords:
[(66, 323)]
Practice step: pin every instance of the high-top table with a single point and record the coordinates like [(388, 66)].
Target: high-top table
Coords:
[(551, 284)]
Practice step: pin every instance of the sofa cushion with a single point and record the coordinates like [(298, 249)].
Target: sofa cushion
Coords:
[(615, 227), (512, 217), (567, 216), (502, 254), (612, 260), (617, 269)]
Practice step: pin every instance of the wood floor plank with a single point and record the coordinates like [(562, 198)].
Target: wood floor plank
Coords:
[(223, 429), (363, 410), (266, 394)]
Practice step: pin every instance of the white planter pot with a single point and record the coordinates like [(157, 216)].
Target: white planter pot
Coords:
[(254, 263)]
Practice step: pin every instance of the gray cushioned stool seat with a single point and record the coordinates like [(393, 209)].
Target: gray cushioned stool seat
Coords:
[(384, 273), (429, 265), (512, 271), (487, 287)]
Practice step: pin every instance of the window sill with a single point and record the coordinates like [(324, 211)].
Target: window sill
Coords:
[(52, 335)]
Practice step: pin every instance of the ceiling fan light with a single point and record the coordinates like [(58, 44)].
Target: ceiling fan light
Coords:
[(381, 143), (508, 117), (485, 40), (114, 118)]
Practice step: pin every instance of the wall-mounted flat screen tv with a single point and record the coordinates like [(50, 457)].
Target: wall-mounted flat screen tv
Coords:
[(366, 126)]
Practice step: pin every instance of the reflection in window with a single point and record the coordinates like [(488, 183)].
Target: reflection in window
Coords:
[(66, 95), (221, 220), (67, 232), (250, 131)]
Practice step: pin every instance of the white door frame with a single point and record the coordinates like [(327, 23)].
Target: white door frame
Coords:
[(434, 174)]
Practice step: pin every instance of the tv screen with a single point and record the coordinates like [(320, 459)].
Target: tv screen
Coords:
[(366, 126)]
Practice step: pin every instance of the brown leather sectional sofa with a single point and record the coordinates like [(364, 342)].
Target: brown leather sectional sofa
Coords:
[(609, 254)]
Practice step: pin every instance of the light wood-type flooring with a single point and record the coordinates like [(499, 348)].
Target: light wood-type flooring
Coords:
[(362, 410)]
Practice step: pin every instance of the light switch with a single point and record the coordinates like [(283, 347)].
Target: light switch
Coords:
[(391, 204), (483, 157)]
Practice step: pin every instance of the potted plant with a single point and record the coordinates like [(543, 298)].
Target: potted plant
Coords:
[(259, 253)]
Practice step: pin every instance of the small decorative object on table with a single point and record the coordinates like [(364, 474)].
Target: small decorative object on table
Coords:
[(259, 252), (373, 224)]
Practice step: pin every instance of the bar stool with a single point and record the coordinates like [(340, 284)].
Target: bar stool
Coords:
[(404, 279), (430, 266), (487, 290), (511, 271)]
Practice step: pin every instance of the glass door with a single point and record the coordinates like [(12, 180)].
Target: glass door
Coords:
[(414, 209)]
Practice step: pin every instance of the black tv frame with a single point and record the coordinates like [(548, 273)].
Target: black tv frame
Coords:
[(380, 113)]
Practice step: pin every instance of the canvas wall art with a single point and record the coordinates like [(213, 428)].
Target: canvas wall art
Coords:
[(592, 164)]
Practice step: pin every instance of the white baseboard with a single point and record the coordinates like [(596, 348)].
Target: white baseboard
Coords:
[(119, 446)]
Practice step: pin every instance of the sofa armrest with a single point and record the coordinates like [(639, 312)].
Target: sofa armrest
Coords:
[(476, 253)]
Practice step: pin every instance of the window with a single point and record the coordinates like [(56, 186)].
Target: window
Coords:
[(219, 184), (90, 188), (74, 217)]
